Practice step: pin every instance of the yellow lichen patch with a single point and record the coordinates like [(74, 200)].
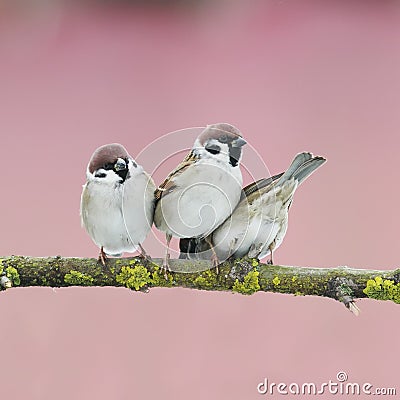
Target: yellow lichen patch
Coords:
[(249, 285), (383, 289), (206, 280), (276, 281), (159, 280), (10, 277), (134, 278), (76, 278), (13, 276)]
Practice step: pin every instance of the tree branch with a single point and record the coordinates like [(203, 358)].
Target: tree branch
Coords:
[(245, 276)]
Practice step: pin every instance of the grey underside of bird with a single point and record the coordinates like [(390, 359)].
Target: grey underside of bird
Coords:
[(202, 204), (259, 223), (113, 222)]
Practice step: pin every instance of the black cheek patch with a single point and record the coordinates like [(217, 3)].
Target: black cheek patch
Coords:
[(234, 155), (123, 174), (213, 148), (100, 174)]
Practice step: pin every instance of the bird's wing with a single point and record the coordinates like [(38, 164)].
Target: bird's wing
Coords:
[(168, 185), (258, 185)]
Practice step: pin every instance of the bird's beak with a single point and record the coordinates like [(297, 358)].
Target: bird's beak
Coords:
[(120, 165), (239, 142)]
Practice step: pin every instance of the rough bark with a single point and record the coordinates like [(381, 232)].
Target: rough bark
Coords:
[(245, 276)]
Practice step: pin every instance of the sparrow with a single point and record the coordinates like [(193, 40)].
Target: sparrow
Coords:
[(201, 193), (259, 223), (117, 202)]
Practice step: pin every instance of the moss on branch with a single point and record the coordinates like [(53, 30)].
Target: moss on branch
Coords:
[(245, 276)]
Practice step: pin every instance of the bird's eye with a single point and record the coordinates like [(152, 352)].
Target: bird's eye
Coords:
[(223, 139), (213, 148), (108, 166)]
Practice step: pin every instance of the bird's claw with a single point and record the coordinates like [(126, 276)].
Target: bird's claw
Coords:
[(165, 266), (146, 258)]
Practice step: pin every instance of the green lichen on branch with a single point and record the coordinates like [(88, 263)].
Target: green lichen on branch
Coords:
[(245, 276), (249, 285), (383, 289), (13, 275), (206, 280), (276, 281), (76, 278), (9, 276), (158, 279), (134, 278)]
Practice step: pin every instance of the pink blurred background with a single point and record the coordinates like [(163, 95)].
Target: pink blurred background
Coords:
[(293, 76)]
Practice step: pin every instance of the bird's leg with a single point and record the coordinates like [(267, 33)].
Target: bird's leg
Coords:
[(102, 257), (271, 249), (165, 265), (143, 254), (214, 257)]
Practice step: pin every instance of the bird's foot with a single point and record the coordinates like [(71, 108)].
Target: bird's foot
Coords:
[(143, 255), (351, 305), (165, 266)]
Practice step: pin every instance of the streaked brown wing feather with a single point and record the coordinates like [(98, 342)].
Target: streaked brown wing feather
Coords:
[(168, 185), (258, 185)]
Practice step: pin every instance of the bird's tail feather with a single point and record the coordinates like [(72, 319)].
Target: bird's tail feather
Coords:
[(303, 165), (308, 168)]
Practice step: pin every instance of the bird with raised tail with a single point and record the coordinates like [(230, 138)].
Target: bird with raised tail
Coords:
[(201, 193), (259, 223), (117, 203)]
